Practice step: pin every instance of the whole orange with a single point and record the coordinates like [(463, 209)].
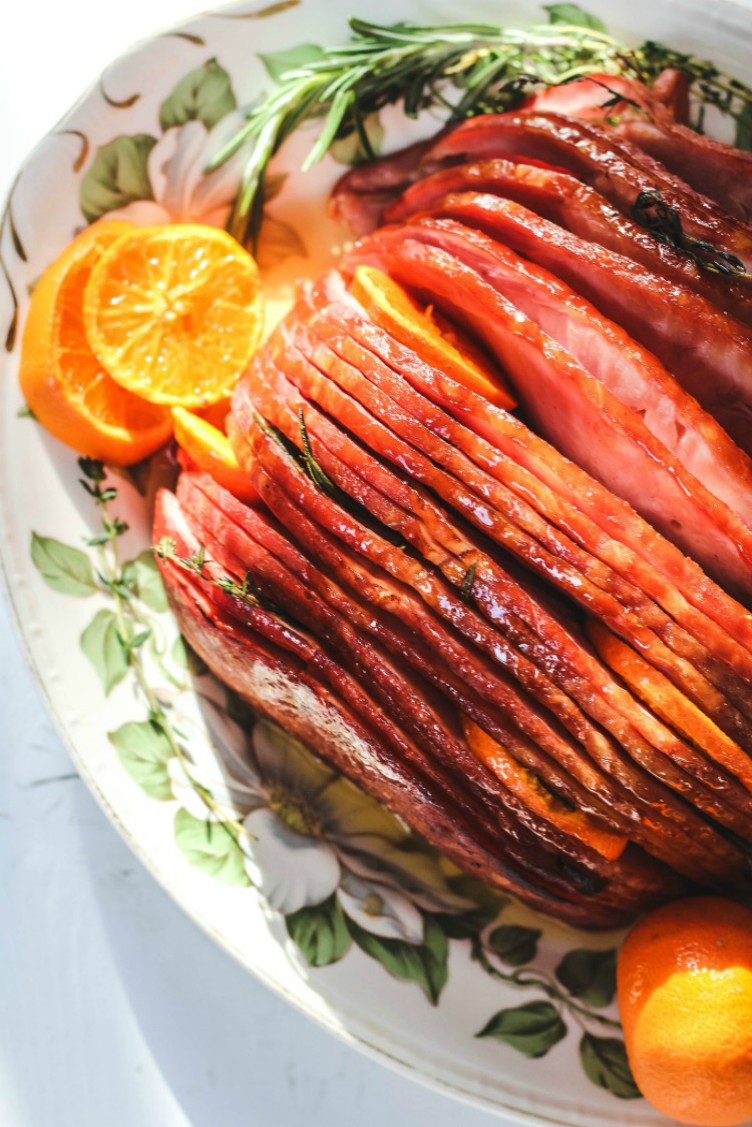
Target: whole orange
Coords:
[(685, 996)]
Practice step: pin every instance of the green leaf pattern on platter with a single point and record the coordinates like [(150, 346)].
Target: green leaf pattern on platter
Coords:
[(604, 1060), (573, 15), (118, 176), (144, 752), (280, 62), (425, 964), (210, 846), (532, 1028), (66, 570), (141, 575), (514, 944), (589, 975), (743, 137), (320, 932), (204, 95), (102, 644)]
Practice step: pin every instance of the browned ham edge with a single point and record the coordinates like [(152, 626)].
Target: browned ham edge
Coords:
[(566, 201), (580, 416), (316, 504), (321, 704)]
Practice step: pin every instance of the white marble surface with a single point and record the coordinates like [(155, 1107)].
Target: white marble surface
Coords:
[(115, 1010)]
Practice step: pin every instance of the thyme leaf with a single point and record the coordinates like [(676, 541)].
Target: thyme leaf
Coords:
[(317, 475), (466, 588), (246, 591), (664, 223)]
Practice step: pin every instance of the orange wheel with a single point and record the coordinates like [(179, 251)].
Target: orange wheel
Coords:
[(175, 313), (63, 382)]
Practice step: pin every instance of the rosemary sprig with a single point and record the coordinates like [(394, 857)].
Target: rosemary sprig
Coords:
[(664, 223), (460, 69)]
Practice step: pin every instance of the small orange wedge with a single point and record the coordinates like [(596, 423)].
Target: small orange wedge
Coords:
[(435, 339), (668, 702), (523, 783), (63, 382), (175, 313), (210, 450)]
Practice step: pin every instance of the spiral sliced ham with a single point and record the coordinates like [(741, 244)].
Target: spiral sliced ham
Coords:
[(419, 587)]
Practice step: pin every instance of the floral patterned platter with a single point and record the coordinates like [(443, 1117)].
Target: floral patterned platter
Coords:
[(306, 881)]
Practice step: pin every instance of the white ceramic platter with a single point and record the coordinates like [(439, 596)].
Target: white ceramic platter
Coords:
[(362, 928)]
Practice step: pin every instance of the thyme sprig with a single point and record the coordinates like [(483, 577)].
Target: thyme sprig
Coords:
[(245, 590), (664, 223), (459, 69), (317, 474), (133, 631)]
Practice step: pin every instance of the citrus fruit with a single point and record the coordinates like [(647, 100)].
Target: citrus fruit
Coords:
[(63, 382), (435, 340), (536, 797), (685, 995), (175, 313), (210, 450)]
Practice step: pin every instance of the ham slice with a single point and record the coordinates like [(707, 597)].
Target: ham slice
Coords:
[(594, 518), (305, 692), (661, 831), (580, 416), (708, 353), (614, 167), (610, 99), (240, 536), (529, 537), (630, 372), (563, 199), (656, 121), (557, 653)]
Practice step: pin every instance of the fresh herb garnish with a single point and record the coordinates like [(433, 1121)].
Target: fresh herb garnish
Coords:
[(460, 69), (246, 591), (466, 588), (131, 630), (317, 475), (664, 223)]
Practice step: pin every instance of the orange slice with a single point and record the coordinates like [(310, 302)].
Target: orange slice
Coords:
[(529, 789), (62, 380), (211, 451), (436, 340), (668, 702), (217, 413), (175, 313)]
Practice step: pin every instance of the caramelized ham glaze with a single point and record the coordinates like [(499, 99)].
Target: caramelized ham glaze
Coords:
[(428, 570)]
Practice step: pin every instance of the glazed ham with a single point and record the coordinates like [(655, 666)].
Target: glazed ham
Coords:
[(613, 439), (425, 587), (707, 352), (566, 201)]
